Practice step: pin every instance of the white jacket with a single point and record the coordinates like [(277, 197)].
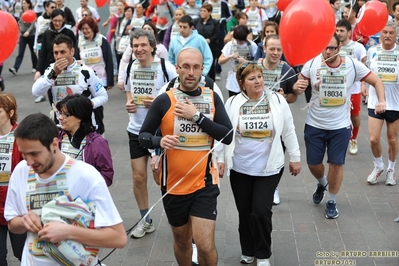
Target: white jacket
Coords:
[(283, 125)]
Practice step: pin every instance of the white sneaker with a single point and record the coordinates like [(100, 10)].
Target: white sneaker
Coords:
[(246, 259), (218, 77), (194, 258), (391, 178), (40, 99), (262, 262), (33, 70), (377, 172), (142, 228), (353, 147), (276, 199)]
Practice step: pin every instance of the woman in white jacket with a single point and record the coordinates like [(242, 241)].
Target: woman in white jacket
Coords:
[(261, 119)]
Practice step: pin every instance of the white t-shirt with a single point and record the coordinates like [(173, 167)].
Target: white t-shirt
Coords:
[(357, 51), (391, 90), (261, 17), (136, 120), (232, 84), (83, 181), (331, 118), (272, 10)]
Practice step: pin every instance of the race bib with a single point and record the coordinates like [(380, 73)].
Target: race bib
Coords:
[(91, 54), (142, 81), (333, 90), (191, 136), (256, 122), (387, 67)]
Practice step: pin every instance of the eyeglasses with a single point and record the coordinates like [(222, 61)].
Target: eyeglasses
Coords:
[(52, 7), (64, 115), (187, 68), (331, 48), (244, 66)]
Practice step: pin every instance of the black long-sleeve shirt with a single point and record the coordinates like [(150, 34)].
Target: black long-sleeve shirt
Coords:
[(216, 128)]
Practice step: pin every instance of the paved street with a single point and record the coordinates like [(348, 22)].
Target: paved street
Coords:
[(301, 235)]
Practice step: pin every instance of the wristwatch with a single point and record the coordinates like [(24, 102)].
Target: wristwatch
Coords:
[(52, 75), (196, 116)]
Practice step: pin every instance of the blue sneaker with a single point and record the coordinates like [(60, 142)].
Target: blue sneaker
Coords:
[(318, 195), (331, 210)]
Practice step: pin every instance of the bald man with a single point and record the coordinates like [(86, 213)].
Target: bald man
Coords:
[(190, 118)]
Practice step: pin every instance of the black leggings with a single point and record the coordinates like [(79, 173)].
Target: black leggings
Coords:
[(254, 200)]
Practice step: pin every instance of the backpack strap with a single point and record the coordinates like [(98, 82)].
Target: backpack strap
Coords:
[(171, 83), (308, 90), (354, 67), (129, 67), (165, 73), (209, 82)]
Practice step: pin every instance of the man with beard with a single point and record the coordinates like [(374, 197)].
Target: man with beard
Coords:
[(328, 122), (190, 117), (357, 51), (143, 77), (45, 174), (380, 60), (275, 71)]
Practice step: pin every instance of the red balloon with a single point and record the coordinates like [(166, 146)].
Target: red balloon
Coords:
[(306, 28), (282, 4), (155, 2), (9, 34), (101, 3), (29, 16), (179, 2), (372, 18)]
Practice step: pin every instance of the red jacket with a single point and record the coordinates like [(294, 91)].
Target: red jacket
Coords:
[(15, 159)]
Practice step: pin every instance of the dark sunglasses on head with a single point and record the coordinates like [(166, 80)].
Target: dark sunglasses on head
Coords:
[(244, 66)]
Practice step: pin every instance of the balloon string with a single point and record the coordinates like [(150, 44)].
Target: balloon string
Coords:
[(293, 76)]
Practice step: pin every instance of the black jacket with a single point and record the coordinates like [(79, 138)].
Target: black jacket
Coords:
[(210, 30), (46, 56)]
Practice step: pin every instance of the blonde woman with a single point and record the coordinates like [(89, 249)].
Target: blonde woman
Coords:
[(173, 29)]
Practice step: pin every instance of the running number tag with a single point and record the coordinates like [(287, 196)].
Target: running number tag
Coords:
[(5, 163), (253, 21), (387, 68), (91, 54), (143, 83), (216, 11), (191, 136), (256, 123), (332, 90)]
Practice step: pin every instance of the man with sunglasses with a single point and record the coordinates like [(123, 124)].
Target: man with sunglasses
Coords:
[(327, 127), (190, 117), (383, 60), (143, 77), (85, 4)]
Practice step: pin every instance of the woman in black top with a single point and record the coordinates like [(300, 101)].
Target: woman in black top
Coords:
[(209, 28)]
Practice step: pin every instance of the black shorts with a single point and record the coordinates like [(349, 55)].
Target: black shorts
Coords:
[(201, 203), (389, 116), (136, 151)]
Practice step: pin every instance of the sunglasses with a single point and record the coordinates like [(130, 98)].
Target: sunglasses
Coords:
[(244, 66)]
